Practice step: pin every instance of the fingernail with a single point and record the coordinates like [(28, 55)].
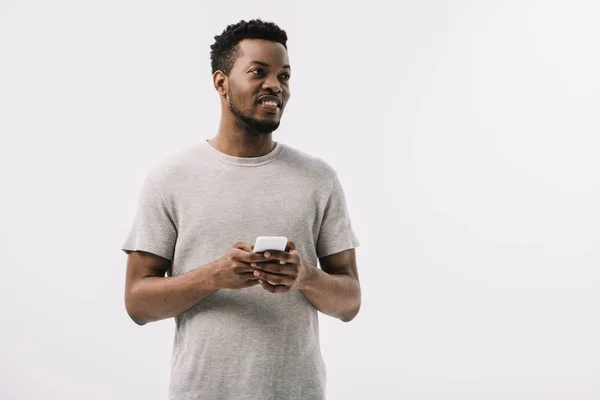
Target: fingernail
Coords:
[(281, 262), (256, 273), (267, 254), (253, 264)]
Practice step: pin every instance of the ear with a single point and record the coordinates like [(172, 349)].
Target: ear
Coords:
[(220, 82)]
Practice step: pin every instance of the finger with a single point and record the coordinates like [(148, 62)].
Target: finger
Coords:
[(247, 257), (277, 269), (273, 279), (266, 285), (281, 256), (256, 258), (290, 245), (273, 288), (243, 246), (249, 276)]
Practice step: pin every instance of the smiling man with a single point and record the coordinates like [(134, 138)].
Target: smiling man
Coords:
[(246, 323)]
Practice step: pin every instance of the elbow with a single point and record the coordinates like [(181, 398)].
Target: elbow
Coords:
[(137, 320), (132, 312), (135, 317), (354, 312), (356, 300), (349, 317)]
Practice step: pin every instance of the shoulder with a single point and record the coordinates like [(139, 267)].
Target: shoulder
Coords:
[(314, 167), (173, 167)]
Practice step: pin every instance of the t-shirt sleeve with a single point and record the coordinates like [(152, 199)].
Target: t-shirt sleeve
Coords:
[(336, 233), (153, 230)]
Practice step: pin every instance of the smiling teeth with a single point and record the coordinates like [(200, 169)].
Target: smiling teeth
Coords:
[(270, 103)]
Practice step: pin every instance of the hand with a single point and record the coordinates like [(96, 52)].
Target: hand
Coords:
[(283, 271), (233, 270)]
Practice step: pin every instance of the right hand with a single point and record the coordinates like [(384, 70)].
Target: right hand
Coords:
[(233, 270)]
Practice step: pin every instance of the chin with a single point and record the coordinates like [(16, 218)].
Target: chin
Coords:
[(264, 125), (261, 127)]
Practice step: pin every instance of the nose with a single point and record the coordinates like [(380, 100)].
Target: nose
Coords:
[(273, 85)]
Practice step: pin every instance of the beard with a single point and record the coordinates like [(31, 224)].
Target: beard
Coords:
[(251, 125)]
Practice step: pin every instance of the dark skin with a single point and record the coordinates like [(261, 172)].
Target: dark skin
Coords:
[(246, 127), (333, 290), (263, 68)]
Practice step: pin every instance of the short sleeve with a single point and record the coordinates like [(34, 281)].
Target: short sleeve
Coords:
[(336, 233), (153, 229)]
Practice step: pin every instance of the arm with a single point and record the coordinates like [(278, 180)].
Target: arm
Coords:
[(150, 296), (335, 289)]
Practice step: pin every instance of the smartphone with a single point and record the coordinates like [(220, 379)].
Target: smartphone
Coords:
[(264, 243)]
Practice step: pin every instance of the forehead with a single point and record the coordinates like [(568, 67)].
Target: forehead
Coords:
[(269, 52)]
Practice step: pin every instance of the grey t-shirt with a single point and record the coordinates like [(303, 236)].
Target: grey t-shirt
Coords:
[(250, 343)]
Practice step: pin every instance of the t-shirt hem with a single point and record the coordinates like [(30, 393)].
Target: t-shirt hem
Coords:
[(339, 247), (148, 249)]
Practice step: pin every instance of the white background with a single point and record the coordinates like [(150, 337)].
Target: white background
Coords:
[(466, 135)]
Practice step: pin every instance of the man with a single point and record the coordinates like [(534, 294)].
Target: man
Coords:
[(246, 323)]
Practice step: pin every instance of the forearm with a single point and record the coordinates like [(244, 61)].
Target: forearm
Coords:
[(156, 298), (338, 296)]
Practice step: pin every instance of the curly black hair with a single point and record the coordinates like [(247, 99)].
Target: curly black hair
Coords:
[(226, 48)]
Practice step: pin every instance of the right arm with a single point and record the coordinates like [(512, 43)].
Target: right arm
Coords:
[(151, 296)]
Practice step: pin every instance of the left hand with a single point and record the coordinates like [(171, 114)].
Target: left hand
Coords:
[(282, 271)]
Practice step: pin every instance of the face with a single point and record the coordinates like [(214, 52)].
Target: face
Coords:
[(258, 85)]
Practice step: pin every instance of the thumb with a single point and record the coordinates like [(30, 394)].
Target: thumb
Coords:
[(290, 246), (244, 246)]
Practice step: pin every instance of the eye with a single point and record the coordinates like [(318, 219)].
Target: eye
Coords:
[(260, 70), (287, 76)]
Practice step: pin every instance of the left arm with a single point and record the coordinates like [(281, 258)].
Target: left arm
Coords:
[(334, 289)]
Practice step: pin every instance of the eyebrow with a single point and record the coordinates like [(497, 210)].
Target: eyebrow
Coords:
[(264, 64)]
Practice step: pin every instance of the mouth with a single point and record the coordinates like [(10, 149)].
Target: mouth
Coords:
[(271, 104), (269, 107)]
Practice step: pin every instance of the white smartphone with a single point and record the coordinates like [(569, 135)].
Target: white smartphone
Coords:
[(264, 243)]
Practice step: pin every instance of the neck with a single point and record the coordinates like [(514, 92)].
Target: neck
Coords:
[(238, 141)]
